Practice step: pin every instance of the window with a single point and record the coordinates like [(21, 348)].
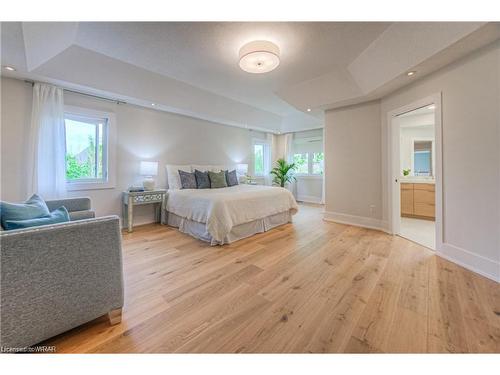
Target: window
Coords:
[(261, 158), (88, 137), (318, 162), (309, 163), (85, 148), (301, 163)]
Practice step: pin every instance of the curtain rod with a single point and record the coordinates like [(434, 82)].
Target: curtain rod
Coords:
[(117, 101)]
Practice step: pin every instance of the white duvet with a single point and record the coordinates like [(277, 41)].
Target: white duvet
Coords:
[(222, 209)]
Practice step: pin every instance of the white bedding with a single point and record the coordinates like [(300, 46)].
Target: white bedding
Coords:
[(222, 209)]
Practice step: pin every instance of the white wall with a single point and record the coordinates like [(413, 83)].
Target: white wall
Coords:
[(470, 90), (353, 164), (142, 134), (357, 148)]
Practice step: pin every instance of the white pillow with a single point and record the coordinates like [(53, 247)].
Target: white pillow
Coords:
[(173, 178), (201, 168), (217, 168)]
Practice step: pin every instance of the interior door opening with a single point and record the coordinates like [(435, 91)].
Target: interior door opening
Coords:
[(414, 156)]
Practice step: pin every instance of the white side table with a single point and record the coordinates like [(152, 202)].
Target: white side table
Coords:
[(131, 199)]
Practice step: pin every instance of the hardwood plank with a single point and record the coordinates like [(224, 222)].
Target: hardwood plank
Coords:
[(309, 286)]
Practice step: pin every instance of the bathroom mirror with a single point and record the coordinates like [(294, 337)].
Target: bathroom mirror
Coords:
[(422, 158)]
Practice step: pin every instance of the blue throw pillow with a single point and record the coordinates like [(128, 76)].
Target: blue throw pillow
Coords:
[(202, 179), (33, 208), (231, 178), (188, 180), (57, 216)]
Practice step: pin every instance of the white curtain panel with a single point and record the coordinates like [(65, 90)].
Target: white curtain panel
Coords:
[(271, 141), (292, 186), (46, 154), (288, 147)]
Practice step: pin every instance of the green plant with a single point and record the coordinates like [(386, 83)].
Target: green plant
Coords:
[(406, 172), (283, 172)]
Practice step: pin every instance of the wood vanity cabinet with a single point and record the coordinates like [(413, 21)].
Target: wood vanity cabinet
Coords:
[(418, 200)]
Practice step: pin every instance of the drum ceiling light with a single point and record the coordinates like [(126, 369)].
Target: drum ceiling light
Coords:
[(259, 56)]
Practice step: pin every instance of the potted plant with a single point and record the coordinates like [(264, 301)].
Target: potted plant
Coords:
[(406, 172), (283, 172)]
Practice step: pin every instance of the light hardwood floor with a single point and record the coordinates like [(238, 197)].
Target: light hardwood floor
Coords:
[(310, 286)]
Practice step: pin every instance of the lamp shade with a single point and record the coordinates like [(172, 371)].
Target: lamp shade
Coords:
[(242, 169), (259, 56), (149, 168)]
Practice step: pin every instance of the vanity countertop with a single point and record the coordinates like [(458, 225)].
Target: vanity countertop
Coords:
[(412, 180)]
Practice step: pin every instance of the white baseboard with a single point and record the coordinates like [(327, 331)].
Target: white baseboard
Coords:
[(476, 263), (309, 199), (358, 221)]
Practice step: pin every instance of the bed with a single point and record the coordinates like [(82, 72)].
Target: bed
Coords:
[(225, 215)]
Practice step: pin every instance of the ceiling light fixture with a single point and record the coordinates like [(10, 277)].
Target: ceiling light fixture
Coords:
[(10, 68), (259, 56), (153, 104), (432, 106), (308, 109), (409, 74)]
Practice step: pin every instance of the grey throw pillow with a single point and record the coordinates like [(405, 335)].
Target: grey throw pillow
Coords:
[(188, 180), (202, 179), (217, 179), (231, 178)]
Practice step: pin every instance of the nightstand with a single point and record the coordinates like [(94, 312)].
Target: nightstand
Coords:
[(131, 199)]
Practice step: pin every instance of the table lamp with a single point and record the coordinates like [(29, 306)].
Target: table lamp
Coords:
[(149, 169)]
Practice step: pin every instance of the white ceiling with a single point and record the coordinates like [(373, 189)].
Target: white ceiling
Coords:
[(192, 68), (205, 54)]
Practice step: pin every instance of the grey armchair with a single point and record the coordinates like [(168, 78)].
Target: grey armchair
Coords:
[(57, 277)]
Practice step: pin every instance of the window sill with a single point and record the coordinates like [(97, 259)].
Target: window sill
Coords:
[(309, 176), (80, 186)]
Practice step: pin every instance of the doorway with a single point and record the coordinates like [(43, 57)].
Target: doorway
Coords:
[(415, 165)]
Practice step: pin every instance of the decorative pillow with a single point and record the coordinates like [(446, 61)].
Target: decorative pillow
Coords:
[(217, 179), (202, 179), (202, 168), (217, 168), (188, 180), (33, 208), (173, 178), (57, 216), (231, 178)]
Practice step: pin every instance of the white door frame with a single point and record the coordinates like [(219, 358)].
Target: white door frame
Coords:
[(393, 142)]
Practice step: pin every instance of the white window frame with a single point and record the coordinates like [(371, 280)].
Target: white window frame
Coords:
[(109, 141), (267, 156)]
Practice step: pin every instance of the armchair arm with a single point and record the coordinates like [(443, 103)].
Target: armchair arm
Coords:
[(56, 277), (71, 204)]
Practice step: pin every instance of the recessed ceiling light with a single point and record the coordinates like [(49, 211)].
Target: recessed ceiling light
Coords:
[(259, 56), (153, 104), (409, 74), (432, 106), (10, 68), (308, 109)]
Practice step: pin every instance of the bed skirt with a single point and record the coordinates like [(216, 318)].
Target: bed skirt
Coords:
[(199, 230)]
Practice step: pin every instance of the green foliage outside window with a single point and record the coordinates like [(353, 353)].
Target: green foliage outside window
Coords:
[(259, 159), (76, 168), (318, 158)]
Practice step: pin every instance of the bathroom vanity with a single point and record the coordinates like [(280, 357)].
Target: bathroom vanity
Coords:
[(418, 199)]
